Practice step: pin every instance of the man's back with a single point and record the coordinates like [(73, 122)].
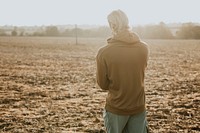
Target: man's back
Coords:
[(125, 64)]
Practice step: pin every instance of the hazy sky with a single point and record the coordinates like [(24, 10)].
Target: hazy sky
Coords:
[(61, 12)]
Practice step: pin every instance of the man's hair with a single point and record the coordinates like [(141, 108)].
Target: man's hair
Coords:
[(118, 21)]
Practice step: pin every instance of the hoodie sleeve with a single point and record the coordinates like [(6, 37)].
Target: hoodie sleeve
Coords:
[(146, 53), (102, 78)]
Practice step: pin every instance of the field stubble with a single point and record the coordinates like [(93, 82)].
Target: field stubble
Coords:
[(49, 85)]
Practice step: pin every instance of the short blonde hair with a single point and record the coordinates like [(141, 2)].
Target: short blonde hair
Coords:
[(118, 21)]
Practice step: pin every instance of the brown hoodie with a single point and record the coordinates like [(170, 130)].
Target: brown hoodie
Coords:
[(120, 70)]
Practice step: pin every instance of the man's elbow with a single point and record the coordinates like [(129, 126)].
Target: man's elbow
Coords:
[(103, 86)]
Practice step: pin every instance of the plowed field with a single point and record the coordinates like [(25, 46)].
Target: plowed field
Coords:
[(49, 85)]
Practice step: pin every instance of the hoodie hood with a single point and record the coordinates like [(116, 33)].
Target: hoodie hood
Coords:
[(125, 36)]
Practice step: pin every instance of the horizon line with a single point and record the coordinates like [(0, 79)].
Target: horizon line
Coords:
[(96, 25)]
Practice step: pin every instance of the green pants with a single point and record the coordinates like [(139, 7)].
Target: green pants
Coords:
[(125, 124)]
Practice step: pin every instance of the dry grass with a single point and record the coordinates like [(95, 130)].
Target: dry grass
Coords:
[(49, 85)]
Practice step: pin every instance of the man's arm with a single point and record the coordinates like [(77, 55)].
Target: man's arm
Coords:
[(102, 77)]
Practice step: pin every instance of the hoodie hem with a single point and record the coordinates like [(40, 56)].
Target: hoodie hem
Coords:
[(134, 111)]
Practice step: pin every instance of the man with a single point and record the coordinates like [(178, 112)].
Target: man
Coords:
[(120, 70)]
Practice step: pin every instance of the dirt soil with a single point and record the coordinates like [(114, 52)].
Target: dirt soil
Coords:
[(49, 85)]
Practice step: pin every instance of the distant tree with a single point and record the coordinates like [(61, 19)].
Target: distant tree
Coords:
[(103, 31), (14, 33), (21, 33), (38, 34), (196, 30), (160, 31), (93, 32), (67, 33), (52, 31), (188, 31), (2, 32), (78, 31)]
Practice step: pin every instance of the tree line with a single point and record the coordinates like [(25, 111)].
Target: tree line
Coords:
[(162, 31), (159, 31)]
